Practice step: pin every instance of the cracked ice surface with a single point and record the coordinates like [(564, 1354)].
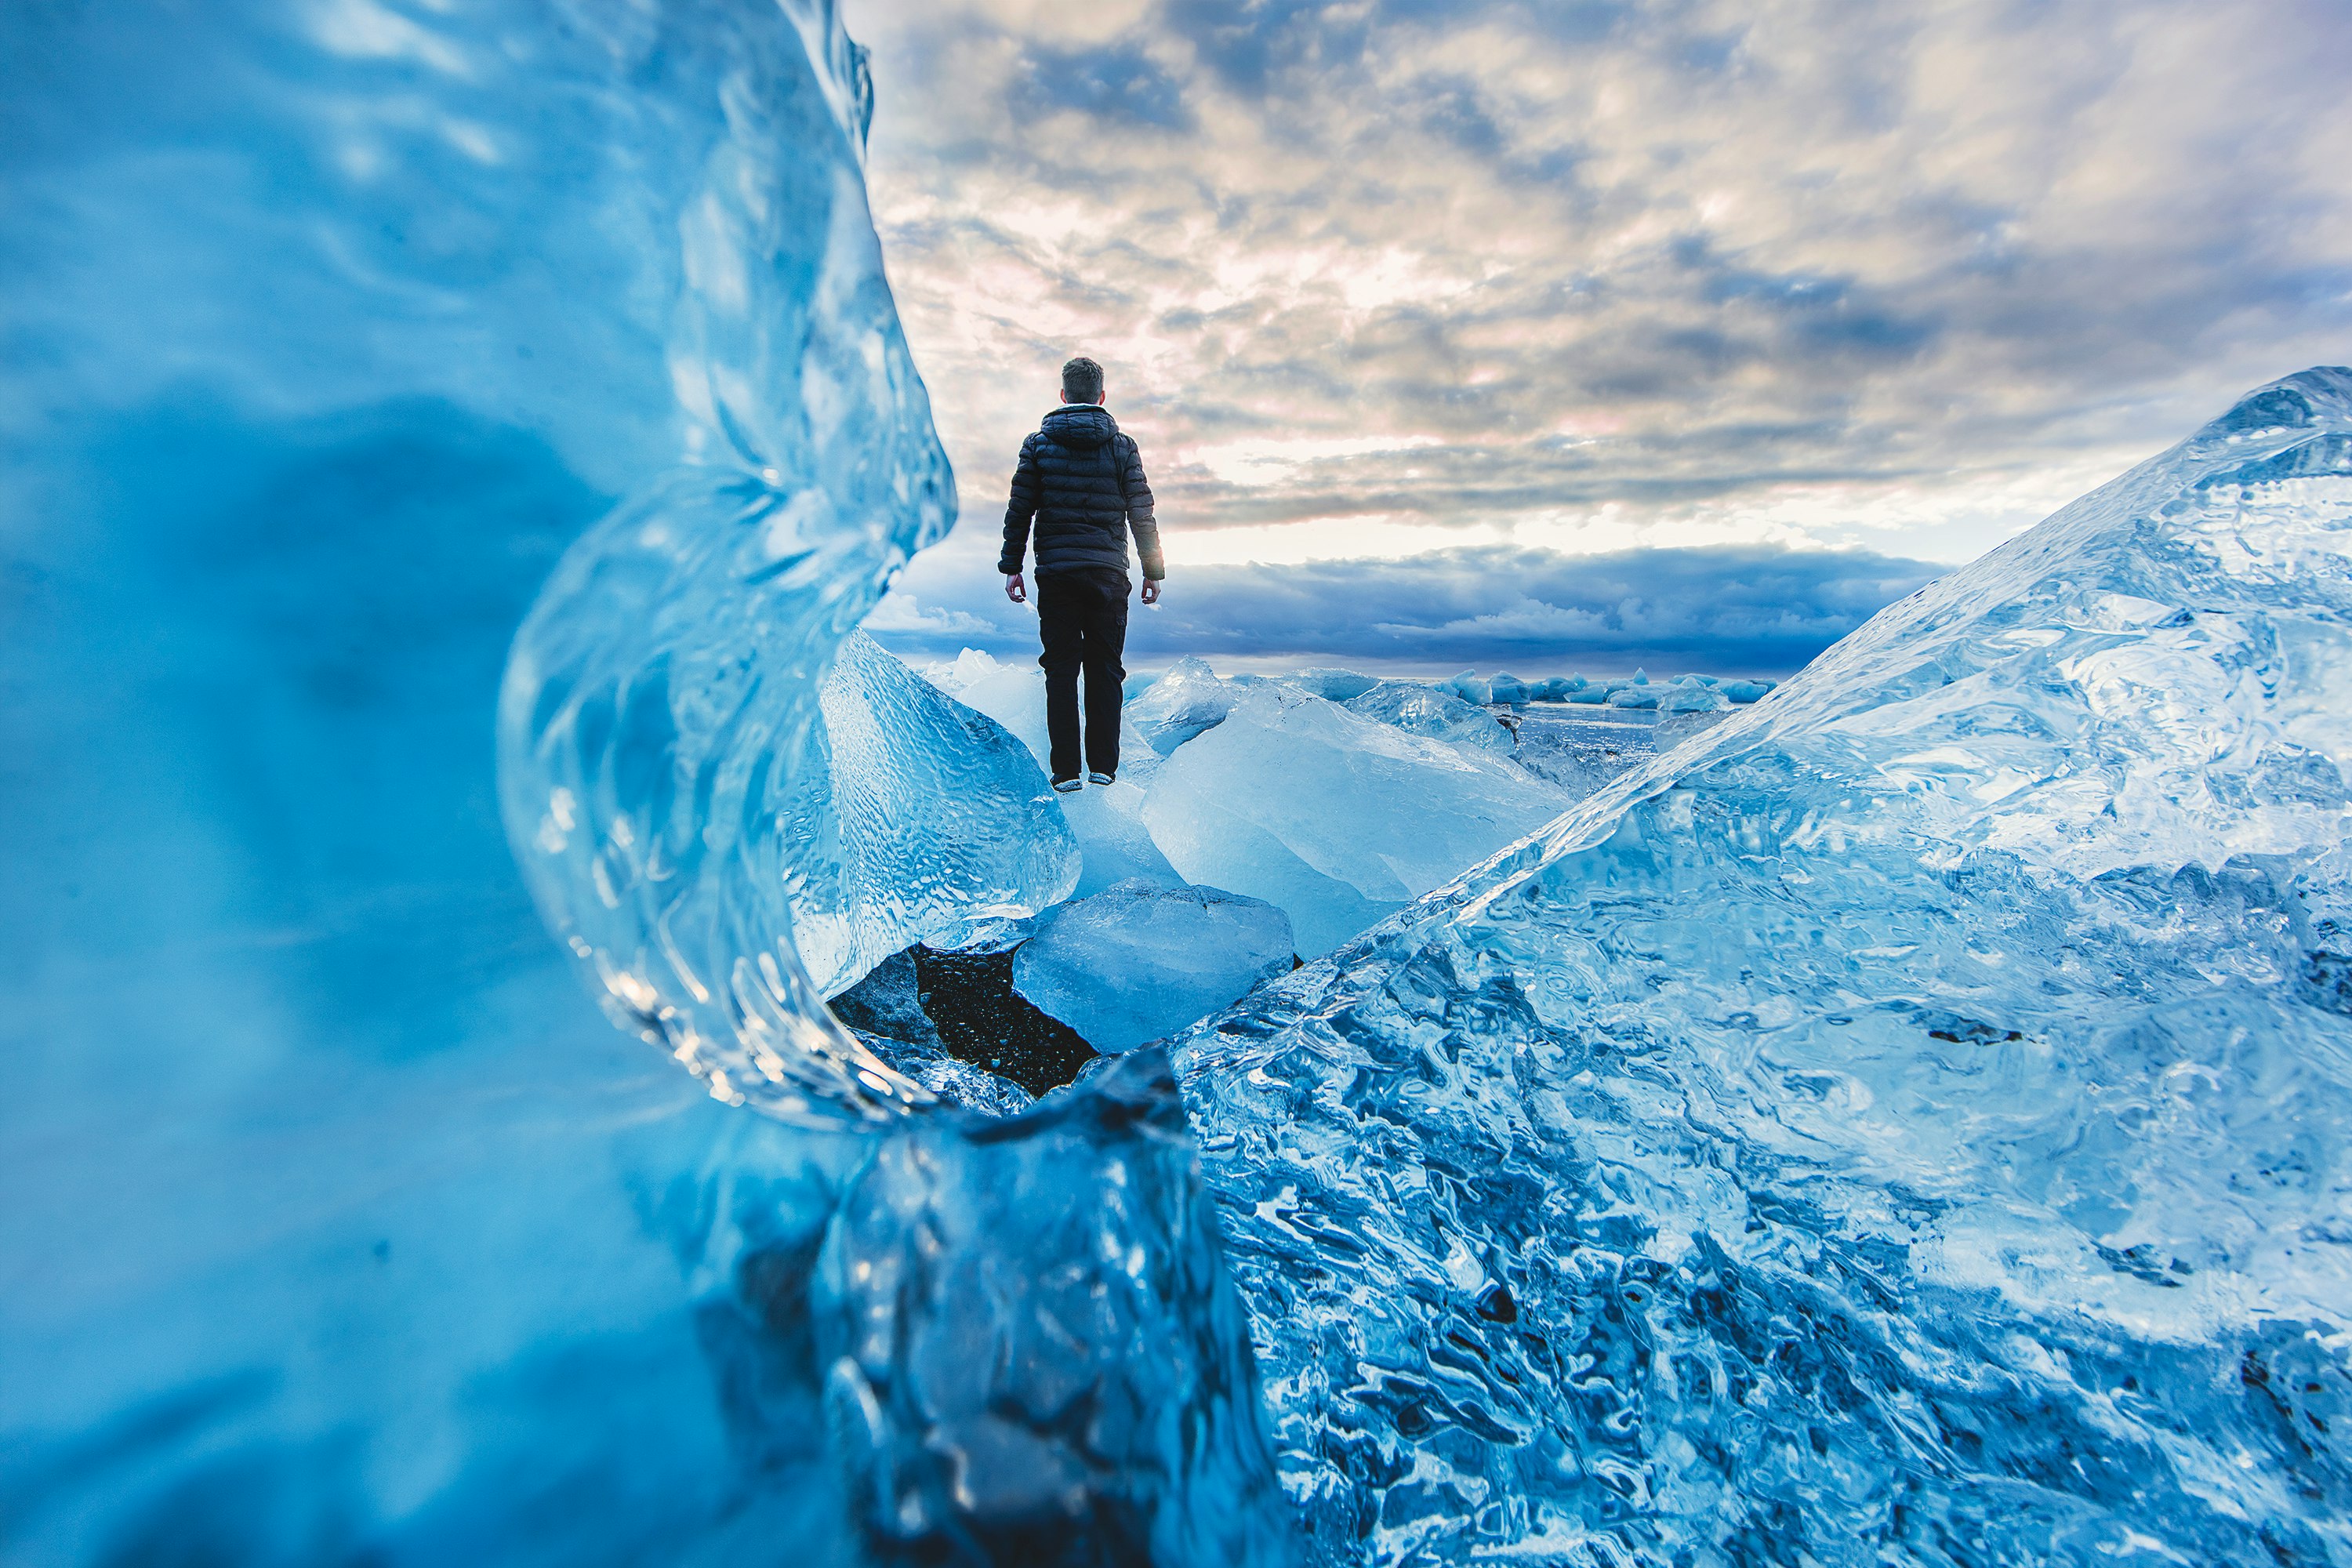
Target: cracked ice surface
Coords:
[(1904, 1123)]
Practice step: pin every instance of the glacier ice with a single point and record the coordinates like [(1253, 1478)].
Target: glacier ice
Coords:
[(1139, 961), (1182, 703), (342, 1228), (1420, 709), (1335, 818), (1033, 1352), (1910, 1122), (1106, 821), (916, 819), (1692, 699), (1332, 685)]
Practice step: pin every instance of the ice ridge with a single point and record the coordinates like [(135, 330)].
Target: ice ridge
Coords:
[(1910, 1122)]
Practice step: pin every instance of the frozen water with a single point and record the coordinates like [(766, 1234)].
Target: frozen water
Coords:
[(1139, 962), (1331, 685), (1424, 711), (1693, 698), (915, 819), (1910, 1123), (339, 1227), (1469, 688), (1034, 1356), (1107, 820), (1181, 704), (1585, 747), (1336, 818)]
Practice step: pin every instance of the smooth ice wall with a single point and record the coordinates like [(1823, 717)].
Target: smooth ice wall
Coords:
[(334, 1214)]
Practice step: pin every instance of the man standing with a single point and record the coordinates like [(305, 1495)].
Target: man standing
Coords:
[(1082, 482)]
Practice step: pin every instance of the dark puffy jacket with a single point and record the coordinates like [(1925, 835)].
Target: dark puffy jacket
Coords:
[(1082, 482)]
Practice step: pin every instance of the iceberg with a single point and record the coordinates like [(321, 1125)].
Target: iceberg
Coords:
[(1692, 699), (1904, 1122), (1425, 711), (1335, 818), (1139, 962)]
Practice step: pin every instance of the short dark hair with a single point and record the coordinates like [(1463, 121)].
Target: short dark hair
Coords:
[(1082, 380)]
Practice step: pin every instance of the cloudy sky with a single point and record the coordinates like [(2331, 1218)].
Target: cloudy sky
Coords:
[(1567, 334)]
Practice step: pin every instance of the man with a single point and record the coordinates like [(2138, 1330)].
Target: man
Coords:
[(1081, 480)]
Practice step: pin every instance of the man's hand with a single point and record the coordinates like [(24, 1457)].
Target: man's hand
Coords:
[(1016, 589), (1151, 590)]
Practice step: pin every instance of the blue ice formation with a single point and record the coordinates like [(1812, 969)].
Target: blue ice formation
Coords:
[(340, 1226), (1186, 701), (1114, 846), (1420, 709), (1335, 818), (919, 820), (1910, 1122), (1139, 961)]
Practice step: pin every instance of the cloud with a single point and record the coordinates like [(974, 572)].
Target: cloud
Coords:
[(1743, 609), (1488, 270), (902, 615)]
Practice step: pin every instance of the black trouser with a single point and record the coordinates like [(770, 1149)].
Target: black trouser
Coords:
[(1082, 618)]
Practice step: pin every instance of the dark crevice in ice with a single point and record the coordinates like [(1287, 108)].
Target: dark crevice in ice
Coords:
[(962, 1005)]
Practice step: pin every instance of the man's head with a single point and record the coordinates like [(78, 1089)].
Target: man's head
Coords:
[(1082, 381)]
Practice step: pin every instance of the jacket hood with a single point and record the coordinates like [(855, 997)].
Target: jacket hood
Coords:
[(1081, 425)]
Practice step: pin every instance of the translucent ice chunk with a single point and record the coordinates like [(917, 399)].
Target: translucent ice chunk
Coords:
[(917, 819), (1332, 685), (1181, 704), (1691, 698), (1107, 821), (1936, 1077), (1334, 817), (1139, 961), (1031, 1353), (1420, 709)]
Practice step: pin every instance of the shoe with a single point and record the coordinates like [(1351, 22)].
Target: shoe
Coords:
[(1068, 786), (1102, 778)]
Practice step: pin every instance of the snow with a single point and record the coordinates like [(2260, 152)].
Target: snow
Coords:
[(1139, 961), (1336, 818), (1962, 1031)]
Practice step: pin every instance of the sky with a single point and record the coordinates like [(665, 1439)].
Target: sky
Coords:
[(1578, 336)]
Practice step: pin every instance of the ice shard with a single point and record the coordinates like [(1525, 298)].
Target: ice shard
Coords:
[(915, 819), (1911, 1122), (1186, 701), (1424, 711), (1139, 962), (1337, 819)]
